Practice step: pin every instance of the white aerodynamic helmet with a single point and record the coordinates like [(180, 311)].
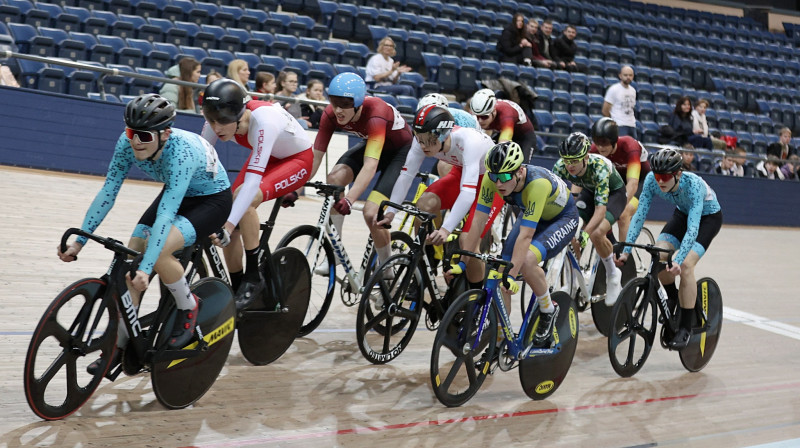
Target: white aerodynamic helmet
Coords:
[(432, 98), (483, 102)]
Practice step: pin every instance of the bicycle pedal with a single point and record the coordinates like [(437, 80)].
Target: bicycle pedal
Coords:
[(114, 373)]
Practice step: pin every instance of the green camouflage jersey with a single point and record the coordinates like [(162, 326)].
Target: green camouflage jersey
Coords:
[(600, 177)]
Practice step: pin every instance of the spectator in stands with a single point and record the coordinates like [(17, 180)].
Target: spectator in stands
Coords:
[(699, 137), (782, 149), (790, 168), (564, 49), (7, 78), (727, 166), (689, 162), (620, 102), (383, 72), (680, 127), (512, 45), (532, 36), (310, 113), (769, 169), (239, 71), (740, 158), (545, 36), (265, 82), (184, 97), (287, 87)]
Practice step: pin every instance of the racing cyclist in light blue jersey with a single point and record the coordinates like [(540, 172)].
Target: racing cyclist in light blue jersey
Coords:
[(193, 203), (694, 224)]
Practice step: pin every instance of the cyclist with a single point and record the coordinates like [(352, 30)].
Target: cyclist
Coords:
[(279, 164), (629, 158), (387, 139), (506, 117), (694, 224), (547, 223), (601, 199), (435, 135), (461, 118), (196, 194)]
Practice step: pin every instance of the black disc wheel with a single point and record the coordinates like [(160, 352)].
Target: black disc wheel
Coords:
[(318, 253), (462, 355), (178, 383), (633, 328), (76, 329), (265, 336), (706, 328), (541, 375), (601, 313), (390, 309)]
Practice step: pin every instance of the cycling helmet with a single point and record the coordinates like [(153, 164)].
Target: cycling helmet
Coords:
[(576, 146), (505, 157), (432, 98), (348, 85), (605, 128), (223, 101), (434, 119), (666, 161), (483, 102), (149, 112)]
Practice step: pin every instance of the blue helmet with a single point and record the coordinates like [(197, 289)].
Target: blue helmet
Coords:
[(348, 85)]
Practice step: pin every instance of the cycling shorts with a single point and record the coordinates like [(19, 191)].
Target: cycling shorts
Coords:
[(389, 167), (675, 229), (198, 216), (617, 200), (551, 237), (281, 176)]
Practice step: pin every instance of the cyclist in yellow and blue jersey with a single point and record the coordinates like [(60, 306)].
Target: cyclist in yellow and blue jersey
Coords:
[(547, 223), (601, 200)]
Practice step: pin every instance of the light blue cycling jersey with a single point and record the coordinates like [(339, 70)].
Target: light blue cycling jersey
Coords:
[(694, 197), (188, 167), (464, 119)]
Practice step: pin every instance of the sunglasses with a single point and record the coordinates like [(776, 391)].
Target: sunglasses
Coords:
[(502, 177), (573, 162), (663, 178), (144, 136), (483, 117)]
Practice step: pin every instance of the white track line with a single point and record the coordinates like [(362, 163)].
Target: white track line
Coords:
[(762, 323)]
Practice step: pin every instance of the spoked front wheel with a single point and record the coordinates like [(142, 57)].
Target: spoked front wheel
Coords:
[(706, 328), (389, 310), (181, 382), (633, 328), (75, 329), (263, 338), (462, 354)]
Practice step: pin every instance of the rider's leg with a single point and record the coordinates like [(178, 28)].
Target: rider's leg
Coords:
[(605, 251), (667, 280), (342, 175), (688, 288), (429, 202), (624, 221), (249, 226), (380, 236)]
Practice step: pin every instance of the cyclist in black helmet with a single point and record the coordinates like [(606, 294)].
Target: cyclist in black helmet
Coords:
[(547, 222), (192, 204), (694, 224), (601, 200)]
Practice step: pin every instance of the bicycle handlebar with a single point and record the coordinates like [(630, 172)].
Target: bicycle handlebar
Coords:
[(493, 261), (326, 189), (108, 243), (408, 208), (652, 250)]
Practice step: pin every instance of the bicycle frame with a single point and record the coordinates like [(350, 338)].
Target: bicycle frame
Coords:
[(578, 278)]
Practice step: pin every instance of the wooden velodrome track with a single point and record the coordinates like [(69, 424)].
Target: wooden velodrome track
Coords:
[(323, 393)]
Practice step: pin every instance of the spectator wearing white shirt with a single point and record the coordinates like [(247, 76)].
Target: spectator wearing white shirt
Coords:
[(620, 102), (383, 72)]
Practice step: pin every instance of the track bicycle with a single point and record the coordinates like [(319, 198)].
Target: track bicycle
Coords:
[(394, 296), (643, 304), (321, 244), (83, 319), (469, 345)]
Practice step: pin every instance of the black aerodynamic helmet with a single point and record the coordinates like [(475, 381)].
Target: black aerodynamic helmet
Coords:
[(224, 101), (666, 161), (434, 119), (149, 112), (605, 128), (576, 146)]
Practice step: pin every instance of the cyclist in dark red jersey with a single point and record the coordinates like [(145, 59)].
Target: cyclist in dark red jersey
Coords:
[(629, 158), (506, 117), (387, 139)]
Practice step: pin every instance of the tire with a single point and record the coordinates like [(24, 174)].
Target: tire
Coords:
[(76, 327), (389, 310), (305, 238), (633, 328), (702, 344), (457, 369)]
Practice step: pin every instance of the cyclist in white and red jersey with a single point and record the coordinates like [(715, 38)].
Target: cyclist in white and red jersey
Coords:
[(464, 149), (387, 139), (506, 117), (279, 164)]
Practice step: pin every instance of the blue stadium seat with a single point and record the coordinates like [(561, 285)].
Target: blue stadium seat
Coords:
[(432, 62), (273, 61), (561, 101), (65, 47), (322, 71), (29, 41), (562, 124), (562, 81), (581, 123), (580, 104), (545, 78), (595, 85), (595, 104), (448, 73), (647, 110)]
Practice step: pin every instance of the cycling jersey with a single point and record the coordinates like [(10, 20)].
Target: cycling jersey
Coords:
[(468, 148), (272, 134), (600, 177), (464, 119), (188, 166), (693, 197), (379, 123), (629, 158), (510, 121)]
